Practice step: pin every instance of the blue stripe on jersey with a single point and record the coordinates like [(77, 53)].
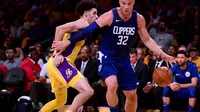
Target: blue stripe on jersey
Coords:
[(118, 38)]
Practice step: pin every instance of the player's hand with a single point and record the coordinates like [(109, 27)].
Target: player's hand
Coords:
[(58, 60), (42, 80), (59, 46), (175, 86), (168, 59), (147, 88)]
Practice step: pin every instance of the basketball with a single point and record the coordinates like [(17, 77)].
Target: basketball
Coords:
[(162, 76)]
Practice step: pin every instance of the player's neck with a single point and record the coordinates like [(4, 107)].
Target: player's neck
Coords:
[(183, 67), (84, 18)]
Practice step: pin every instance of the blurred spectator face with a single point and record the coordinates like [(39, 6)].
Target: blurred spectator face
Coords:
[(38, 48), (18, 53), (181, 58), (171, 51), (23, 33), (34, 55), (9, 41), (84, 54), (49, 55), (196, 39), (133, 58), (140, 54), (157, 57), (193, 54), (162, 27), (10, 54)]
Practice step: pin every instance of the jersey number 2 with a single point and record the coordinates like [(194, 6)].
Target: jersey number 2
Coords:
[(122, 40)]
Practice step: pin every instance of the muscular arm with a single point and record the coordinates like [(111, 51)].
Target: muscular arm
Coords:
[(192, 84), (103, 20), (145, 37), (69, 27)]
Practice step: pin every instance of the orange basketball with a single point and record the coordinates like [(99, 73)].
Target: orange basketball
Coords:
[(162, 76)]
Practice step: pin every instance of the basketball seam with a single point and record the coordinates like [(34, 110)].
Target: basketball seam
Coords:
[(160, 77), (165, 71)]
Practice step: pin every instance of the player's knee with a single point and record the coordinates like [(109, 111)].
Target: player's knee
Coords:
[(112, 86), (131, 96), (90, 92), (166, 100)]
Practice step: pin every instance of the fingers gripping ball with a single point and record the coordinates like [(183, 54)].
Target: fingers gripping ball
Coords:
[(162, 76)]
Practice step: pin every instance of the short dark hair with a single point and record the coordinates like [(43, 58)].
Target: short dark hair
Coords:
[(85, 5), (133, 51), (182, 52), (12, 48), (175, 48)]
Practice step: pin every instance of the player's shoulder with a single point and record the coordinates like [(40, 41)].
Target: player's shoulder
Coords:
[(191, 64)]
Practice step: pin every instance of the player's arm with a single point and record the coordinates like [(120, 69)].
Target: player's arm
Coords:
[(69, 27), (194, 80), (192, 84), (145, 37), (103, 20), (149, 42)]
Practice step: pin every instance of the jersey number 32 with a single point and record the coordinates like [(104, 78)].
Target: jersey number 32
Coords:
[(122, 40)]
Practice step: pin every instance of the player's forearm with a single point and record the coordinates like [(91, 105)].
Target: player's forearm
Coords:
[(187, 85), (150, 43), (58, 34), (84, 33)]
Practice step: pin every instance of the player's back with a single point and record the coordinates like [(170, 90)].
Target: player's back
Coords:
[(118, 38)]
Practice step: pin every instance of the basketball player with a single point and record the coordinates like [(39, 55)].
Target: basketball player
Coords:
[(184, 83), (65, 74), (120, 27)]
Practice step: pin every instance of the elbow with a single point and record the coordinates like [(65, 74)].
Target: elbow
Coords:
[(58, 28)]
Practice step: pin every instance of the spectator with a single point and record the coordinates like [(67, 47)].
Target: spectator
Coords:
[(30, 67), (42, 59), (2, 56), (19, 54), (11, 61), (182, 48), (140, 54), (172, 50), (44, 78), (193, 57), (184, 84), (162, 38)]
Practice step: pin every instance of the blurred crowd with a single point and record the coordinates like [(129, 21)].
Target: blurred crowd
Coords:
[(27, 30)]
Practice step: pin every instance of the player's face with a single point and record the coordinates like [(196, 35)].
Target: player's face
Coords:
[(133, 58), (126, 6), (92, 15), (181, 58)]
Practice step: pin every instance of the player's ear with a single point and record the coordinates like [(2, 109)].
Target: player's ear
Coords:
[(85, 13)]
